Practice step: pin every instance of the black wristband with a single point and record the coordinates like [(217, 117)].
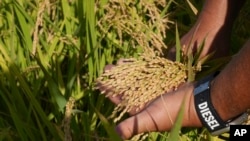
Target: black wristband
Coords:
[(204, 107), (207, 113)]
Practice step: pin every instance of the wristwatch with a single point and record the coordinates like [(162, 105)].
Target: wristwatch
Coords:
[(207, 113)]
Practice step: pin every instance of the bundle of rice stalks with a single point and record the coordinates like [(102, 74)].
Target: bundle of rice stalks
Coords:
[(139, 81), (134, 23)]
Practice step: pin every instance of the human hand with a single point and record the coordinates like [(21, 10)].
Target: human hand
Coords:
[(106, 89), (139, 81), (161, 113), (211, 28), (216, 40)]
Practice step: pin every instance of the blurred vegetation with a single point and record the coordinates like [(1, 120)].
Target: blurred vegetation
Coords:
[(51, 53)]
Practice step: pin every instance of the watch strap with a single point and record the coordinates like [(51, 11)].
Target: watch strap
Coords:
[(207, 113)]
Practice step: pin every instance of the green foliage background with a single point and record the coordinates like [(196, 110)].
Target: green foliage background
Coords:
[(50, 51)]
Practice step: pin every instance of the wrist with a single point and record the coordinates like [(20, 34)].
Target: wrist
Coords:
[(191, 118), (206, 112)]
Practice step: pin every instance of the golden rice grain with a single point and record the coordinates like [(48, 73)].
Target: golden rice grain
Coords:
[(140, 81)]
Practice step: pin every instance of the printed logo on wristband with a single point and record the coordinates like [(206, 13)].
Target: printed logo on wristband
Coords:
[(207, 113), (208, 116)]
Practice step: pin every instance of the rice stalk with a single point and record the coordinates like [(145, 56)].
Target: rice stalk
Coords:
[(137, 24), (67, 119)]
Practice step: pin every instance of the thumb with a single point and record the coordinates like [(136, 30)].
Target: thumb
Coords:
[(154, 118)]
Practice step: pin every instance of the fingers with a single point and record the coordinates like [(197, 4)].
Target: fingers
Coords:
[(106, 90), (135, 125), (157, 116), (154, 118), (116, 100), (108, 67), (160, 114), (145, 121), (120, 61)]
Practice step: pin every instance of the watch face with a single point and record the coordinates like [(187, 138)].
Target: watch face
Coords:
[(202, 87)]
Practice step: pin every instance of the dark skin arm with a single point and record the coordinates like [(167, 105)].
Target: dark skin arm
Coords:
[(215, 23), (229, 91), (229, 94)]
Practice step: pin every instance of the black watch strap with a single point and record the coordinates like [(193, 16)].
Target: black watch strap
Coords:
[(207, 113), (204, 107)]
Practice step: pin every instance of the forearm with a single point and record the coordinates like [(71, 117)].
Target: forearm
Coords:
[(221, 12), (215, 23), (229, 94), (230, 91)]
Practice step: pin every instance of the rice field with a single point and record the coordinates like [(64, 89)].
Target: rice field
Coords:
[(52, 52)]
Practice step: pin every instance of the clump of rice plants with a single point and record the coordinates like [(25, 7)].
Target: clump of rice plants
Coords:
[(135, 24)]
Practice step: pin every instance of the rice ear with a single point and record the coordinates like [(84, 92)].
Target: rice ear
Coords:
[(141, 80)]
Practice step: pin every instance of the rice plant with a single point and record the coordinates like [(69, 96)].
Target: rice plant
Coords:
[(52, 52)]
